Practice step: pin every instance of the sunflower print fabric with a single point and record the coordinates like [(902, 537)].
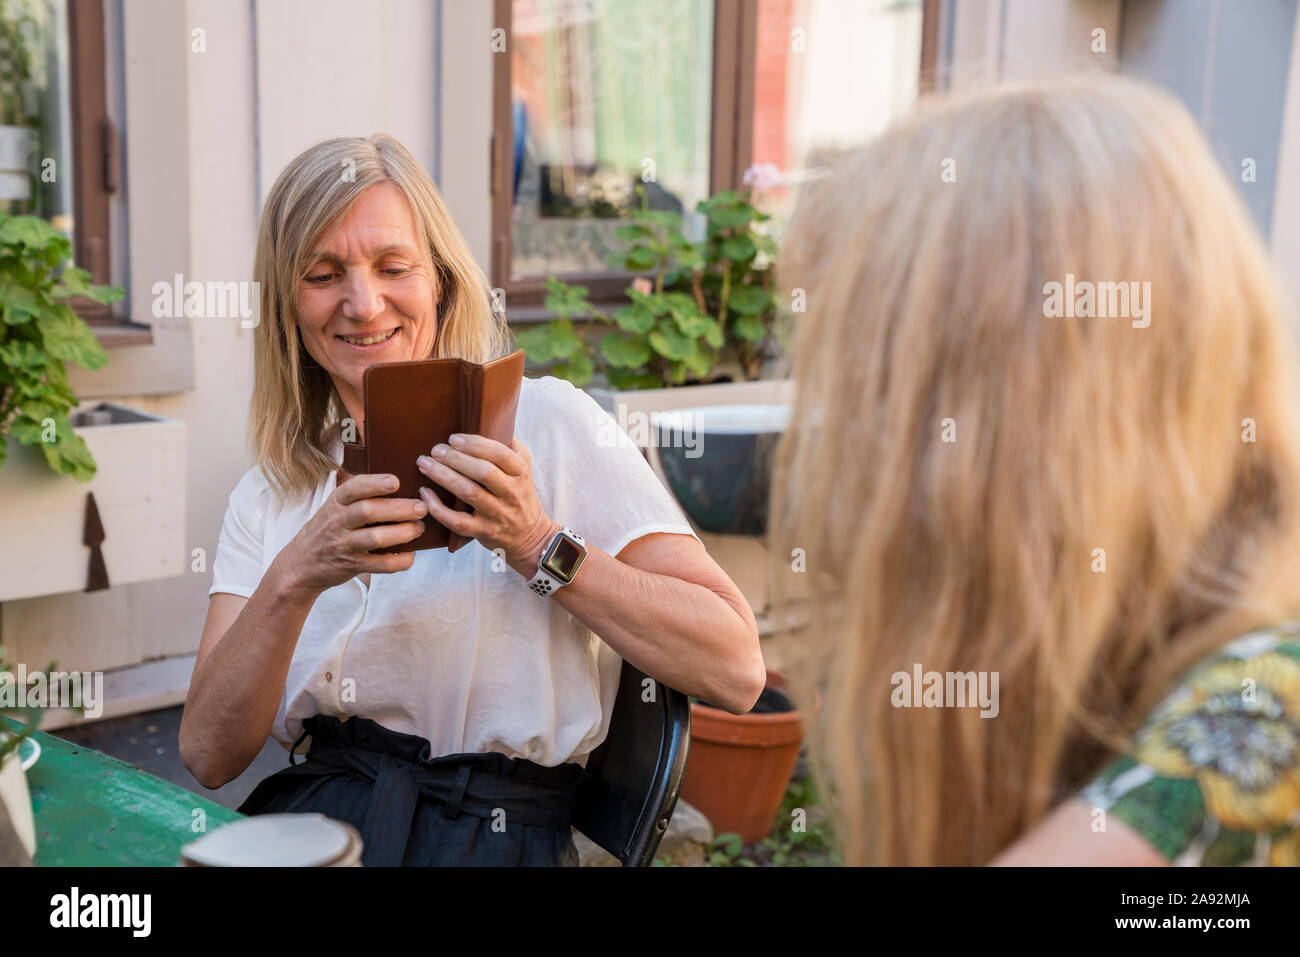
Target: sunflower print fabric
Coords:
[(1213, 776)]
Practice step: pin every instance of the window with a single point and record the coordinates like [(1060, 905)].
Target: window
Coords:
[(593, 97), (829, 74), (58, 148), (604, 94)]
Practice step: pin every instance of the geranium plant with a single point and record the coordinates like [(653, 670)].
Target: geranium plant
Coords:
[(696, 302), (39, 332)]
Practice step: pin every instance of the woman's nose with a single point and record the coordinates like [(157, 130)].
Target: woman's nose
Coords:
[(362, 299)]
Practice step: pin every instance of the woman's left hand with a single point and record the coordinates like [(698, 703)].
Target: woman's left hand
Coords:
[(497, 481)]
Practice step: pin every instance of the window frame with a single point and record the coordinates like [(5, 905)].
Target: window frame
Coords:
[(96, 172), (930, 80)]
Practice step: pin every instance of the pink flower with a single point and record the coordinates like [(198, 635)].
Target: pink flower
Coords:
[(642, 285), (762, 176)]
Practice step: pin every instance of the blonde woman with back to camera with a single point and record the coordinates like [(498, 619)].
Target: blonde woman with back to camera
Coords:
[(1103, 512)]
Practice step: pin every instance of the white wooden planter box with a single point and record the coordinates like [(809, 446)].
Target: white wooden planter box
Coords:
[(139, 489)]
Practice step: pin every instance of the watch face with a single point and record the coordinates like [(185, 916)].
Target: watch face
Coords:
[(564, 559)]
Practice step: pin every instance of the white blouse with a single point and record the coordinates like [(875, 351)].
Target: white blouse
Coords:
[(457, 649)]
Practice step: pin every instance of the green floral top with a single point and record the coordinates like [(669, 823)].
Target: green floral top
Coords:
[(1213, 777)]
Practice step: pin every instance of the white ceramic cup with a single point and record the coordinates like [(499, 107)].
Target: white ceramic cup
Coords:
[(277, 840)]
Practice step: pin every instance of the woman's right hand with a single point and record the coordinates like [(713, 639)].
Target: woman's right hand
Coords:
[(334, 545)]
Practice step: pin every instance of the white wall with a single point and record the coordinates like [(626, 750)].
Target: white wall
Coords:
[(337, 68), (464, 163)]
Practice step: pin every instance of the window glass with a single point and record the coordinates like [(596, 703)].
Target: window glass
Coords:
[(35, 121), (605, 94), (828, 74)]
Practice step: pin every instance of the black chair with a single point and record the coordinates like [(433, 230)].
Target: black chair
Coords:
[(636, 773)]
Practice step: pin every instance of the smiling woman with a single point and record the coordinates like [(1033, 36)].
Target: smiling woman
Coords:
[(450, 707), (360, 246)]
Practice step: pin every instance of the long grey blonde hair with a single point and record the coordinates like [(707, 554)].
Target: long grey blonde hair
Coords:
[(1172, 447), (296, 410)]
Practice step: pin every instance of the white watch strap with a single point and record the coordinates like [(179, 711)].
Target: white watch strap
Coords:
[(543, 583)]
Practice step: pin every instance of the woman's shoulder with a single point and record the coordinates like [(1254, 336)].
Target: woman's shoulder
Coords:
[(250, 488), (556, 405), (254, 479), (549, 388), (1213, 775)]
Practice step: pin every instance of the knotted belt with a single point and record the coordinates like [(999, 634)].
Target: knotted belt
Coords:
[(461, 783)]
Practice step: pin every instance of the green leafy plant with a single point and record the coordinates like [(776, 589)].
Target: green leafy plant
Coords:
[(813, 846), (702, 301), (726, 851), (39, 332)]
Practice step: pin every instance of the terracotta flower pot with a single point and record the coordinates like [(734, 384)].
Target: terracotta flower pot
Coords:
[(740, 765)]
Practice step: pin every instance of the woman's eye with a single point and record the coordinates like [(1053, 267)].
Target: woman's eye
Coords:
[(320, 278), (396, 271)]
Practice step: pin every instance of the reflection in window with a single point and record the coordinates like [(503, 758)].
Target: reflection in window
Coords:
[(35, 133), (605, 94), (829, 74)]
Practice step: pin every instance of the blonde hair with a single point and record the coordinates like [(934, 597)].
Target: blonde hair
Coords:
[(295, 407), (956, 458)]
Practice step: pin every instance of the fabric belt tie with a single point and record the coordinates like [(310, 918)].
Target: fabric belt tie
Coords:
[(457, 786)]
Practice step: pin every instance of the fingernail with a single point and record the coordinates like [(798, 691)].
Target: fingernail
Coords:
[(423, 461), (390, 483), (418, 508), (457, 440), (439, 451)]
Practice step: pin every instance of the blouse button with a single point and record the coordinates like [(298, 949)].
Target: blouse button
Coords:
[(329, 676)]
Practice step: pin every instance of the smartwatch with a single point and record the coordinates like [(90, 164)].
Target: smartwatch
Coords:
[(560, 561)]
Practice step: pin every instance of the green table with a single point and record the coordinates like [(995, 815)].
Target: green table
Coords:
[(94, 810)]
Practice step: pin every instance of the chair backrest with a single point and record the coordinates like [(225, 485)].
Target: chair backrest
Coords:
[(636, 773)]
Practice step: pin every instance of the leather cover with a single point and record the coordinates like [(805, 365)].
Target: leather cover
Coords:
[(412, 406)]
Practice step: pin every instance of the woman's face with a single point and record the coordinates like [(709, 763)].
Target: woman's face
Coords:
[(369, 293)]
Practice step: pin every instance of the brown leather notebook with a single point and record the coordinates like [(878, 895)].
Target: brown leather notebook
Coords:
[(412, 406)]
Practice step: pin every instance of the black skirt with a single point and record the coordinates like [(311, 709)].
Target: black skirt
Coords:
[(415, 810)]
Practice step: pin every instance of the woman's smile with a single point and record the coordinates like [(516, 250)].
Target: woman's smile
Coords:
[(370, 341)]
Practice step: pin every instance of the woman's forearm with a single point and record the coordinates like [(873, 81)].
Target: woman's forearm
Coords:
[(680, 632), (236, 691)]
